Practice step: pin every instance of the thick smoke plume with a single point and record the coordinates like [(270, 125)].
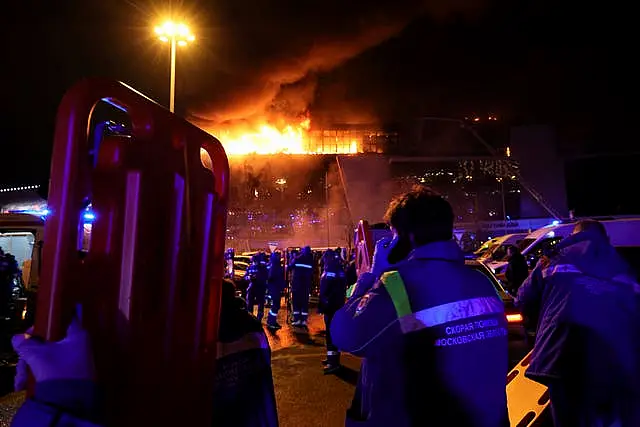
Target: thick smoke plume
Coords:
[(268, 53)]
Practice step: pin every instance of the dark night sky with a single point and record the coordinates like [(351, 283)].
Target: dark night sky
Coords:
[(568, 63)]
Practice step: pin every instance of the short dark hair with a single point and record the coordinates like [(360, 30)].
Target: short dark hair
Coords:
[(590, 225), (423, 213)]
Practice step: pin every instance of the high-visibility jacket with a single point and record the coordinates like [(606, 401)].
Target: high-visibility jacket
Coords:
[(433, 336)]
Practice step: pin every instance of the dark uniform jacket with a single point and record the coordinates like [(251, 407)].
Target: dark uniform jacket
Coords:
[(433, 335)]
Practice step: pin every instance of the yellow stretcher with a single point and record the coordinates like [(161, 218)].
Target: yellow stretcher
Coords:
[(527, 400)]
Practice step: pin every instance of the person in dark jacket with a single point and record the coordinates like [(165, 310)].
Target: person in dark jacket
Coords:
[(65, 392), (432, 332), (257, 274), (275, 285), (517, 269), (332, 297), (587, 343), (302, 267), (243, 390)]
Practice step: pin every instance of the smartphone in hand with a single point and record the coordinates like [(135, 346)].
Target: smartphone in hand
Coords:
[(400, 250)]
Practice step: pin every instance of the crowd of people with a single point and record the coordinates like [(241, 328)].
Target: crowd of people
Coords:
[(269, 278), (431, 333)]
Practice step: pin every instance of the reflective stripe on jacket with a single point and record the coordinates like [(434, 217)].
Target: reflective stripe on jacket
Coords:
[(243, 387), (434, 341)]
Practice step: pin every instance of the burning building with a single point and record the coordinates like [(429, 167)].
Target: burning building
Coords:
[(297, 184), (299, 137)]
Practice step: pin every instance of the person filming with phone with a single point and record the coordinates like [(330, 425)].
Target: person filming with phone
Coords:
[(431, 331)]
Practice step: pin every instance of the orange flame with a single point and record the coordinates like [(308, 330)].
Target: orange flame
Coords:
[(265, 138)]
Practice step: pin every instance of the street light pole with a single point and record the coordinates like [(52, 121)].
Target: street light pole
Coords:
[(172, 93), (178, 34)]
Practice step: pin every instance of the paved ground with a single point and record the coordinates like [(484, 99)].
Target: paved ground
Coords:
[(305, 396)]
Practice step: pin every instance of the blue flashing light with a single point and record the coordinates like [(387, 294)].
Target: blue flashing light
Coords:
[(35, 212), (89, 216), (114, 104), (553, 223)]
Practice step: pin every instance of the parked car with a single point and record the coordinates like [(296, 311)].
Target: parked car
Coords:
[(624, 234), (514, 317), (239, 272), (496, 249)]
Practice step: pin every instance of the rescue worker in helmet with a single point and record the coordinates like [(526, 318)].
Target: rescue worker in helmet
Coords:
[(257, 276), (302, 267), (332, 297), (432, 332), (275, 285)]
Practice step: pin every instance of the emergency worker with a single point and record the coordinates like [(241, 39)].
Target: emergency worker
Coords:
[(289, 257), (275, 284), (332, 297), (243, 389), (302, 267), (432, 332), (517, 269), (257, 274), (588, 338)]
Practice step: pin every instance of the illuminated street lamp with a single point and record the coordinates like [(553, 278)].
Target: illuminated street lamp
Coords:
[(178, 34)]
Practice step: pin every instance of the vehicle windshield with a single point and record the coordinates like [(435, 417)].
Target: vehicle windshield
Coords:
[(543, 247), (499, 253), (486, 248)]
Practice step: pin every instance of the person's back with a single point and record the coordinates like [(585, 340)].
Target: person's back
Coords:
[(276, 273), (303, 270), (463, 356), (432, 333), (333, 285), (260, 270), (302, 267), (438, 364), (243, 389), (588, 338), (275, 284), (517, 270)]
